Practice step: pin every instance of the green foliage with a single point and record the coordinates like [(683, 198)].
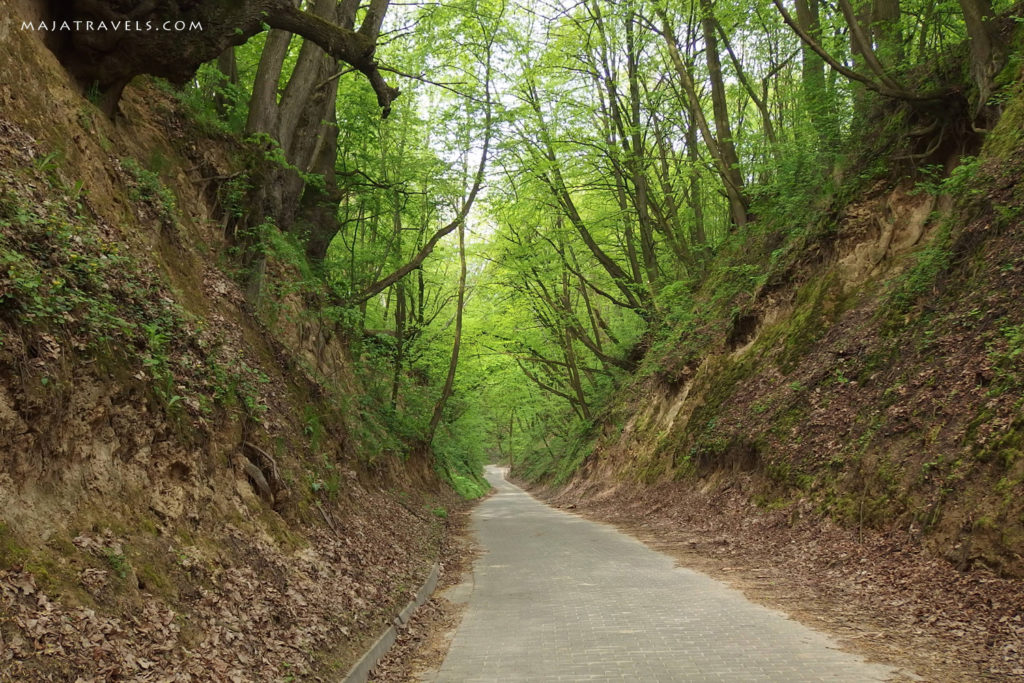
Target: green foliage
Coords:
[(467, 486), (147, 187), (118, 563), (233, 194), (801, 180), (930, 263), (158, 362), (215, 105), (460, 451), (962, 182), (1006, 355), (326, 479), (675, 299), (1014, 335), (58, 276), (313, 427)]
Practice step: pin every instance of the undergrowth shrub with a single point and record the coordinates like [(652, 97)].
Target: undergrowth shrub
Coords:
[(146, 186), (60, 276)]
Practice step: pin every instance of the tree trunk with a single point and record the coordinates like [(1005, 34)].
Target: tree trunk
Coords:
[(319, 209), (400, 315), (309, 135), (862, 45), (734, 191), (884, 86), (109, 60), (698, 235), (672, 228), (636, 159), (885, 27), (719, 105), (760, 101), (813, 82), (453, 364), (228, 68), (570, 353), (263, 107), (616, 139), (309, 145), (309, 80), (979, 17)]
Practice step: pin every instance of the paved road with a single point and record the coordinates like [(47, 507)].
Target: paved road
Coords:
[(559, 598)]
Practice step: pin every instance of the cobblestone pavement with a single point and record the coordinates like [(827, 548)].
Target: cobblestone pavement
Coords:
[(559, 598)]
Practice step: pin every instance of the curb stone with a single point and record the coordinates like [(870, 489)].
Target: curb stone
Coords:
[(360, 672)]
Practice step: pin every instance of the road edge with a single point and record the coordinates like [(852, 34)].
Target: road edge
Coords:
[(360, 671)]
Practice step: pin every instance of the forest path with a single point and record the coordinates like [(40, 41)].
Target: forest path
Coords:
[(555, 597)]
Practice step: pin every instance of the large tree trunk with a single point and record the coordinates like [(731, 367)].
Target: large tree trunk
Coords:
[(308, 93), (979, 17), (110, 59), (309, 136), (319, 209), (302, 124), (264, 112), (813, 75)]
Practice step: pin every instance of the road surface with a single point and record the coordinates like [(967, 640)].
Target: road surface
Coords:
[(555, 597)]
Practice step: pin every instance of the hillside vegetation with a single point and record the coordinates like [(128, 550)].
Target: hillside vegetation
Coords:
[(816, 390), (194, 478), (274, 290), (851, 348), (870, 363)]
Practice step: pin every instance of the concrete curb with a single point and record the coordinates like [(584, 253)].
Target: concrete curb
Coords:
[(361, 671)]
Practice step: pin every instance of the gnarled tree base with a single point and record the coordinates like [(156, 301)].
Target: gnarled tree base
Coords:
[(113, 41)]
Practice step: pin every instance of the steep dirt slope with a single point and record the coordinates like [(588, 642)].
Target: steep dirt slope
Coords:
[(878, 376), (855, 419), (188, 490)]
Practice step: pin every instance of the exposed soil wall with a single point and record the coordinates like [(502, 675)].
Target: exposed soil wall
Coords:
[(875, 381), (185, 486)]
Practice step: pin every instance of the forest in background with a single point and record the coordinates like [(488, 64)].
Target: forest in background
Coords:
[(515, 214), (647, 168), (751, 266)]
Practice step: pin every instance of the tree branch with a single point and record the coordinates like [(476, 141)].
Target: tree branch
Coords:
[(417, 260), (355, 48), (879, 88)]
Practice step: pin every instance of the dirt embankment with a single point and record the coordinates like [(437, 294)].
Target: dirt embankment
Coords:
[(185, 493), (849, 443)]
